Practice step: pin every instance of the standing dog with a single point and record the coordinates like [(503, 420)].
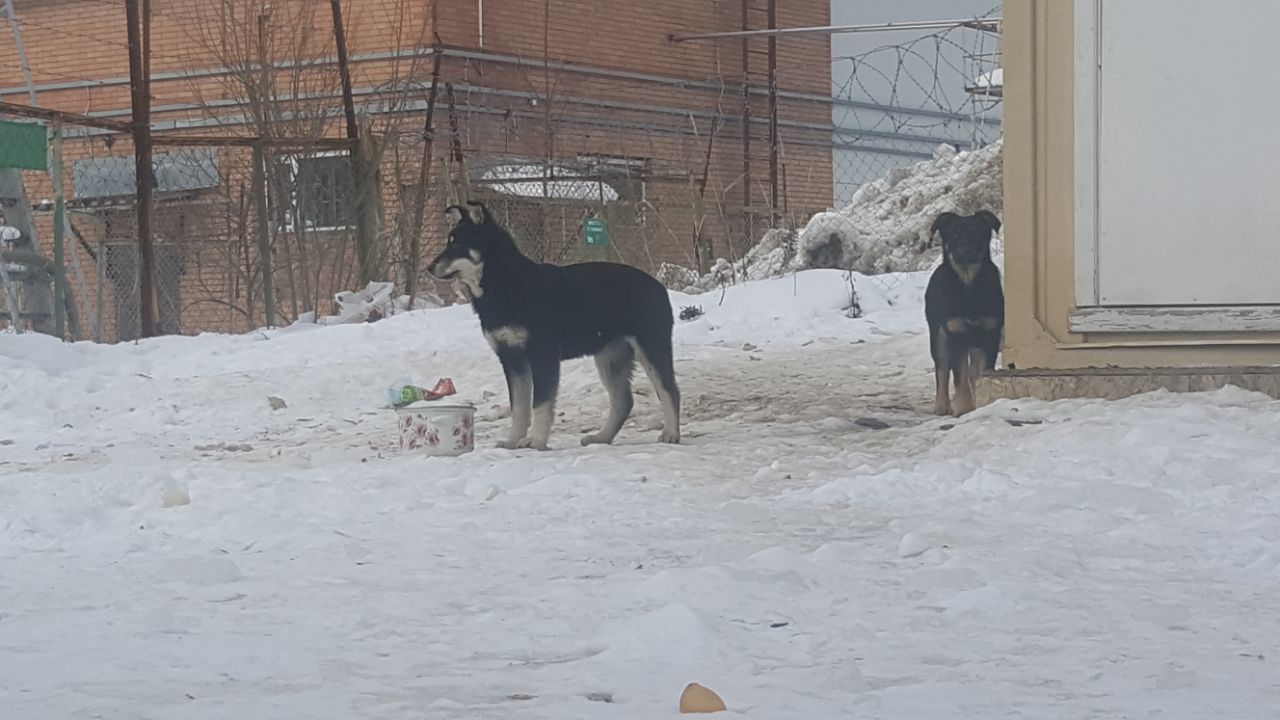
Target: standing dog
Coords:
[(964, 305), (535, 315)]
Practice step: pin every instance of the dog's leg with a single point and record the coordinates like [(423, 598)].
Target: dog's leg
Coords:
[(977, 367), (942, 390), (546, 384), (656, 357), (964, 383), (941, 374), (520, 394), (615, 363)]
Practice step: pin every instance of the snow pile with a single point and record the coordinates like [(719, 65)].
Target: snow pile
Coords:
[(372, 303), (886, 226)]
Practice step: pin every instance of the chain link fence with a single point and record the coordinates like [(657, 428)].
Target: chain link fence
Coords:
[(915, 132), (674, 176), (213, 220), (29, 293)]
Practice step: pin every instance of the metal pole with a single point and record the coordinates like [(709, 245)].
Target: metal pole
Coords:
[(140, 86), (59, 235), (16, 28), (100, 285), (983, 24), (773, 115), (146, 42), (344, 69), (264, 234), (748, 225)]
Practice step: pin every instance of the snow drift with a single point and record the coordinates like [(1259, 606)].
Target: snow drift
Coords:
[(885, 228)]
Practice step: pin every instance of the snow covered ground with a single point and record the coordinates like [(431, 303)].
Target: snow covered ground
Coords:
[(172, 547)]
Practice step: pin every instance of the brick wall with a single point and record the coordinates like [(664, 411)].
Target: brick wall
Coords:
[(557, 80)]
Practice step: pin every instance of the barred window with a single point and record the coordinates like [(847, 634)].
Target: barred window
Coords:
[(318, 192)]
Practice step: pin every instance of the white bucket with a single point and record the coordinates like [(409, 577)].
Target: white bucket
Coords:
[(439, 428)]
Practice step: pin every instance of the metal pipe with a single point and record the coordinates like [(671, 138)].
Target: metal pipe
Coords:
[(100, 290), (59, 233), (747, 230), (16, 28), (604, 104), (984, 24), (339, 143), (565, 100), (774, 136), (250, 141), (669, 81), (37, 113)]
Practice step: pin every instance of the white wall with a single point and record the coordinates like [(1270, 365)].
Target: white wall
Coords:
[(1187, 209)]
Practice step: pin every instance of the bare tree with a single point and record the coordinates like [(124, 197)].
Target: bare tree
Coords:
[(281, 83)]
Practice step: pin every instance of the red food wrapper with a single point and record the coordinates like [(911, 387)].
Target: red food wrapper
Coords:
[(444, 388)]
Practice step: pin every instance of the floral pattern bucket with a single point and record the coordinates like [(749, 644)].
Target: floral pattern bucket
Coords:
[(439, 428)]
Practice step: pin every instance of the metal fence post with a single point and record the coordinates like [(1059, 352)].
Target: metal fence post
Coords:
[(99, 319), (59, 234)]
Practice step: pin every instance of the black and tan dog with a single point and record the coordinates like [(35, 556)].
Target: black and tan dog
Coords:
[(537, 315), (964, 305)]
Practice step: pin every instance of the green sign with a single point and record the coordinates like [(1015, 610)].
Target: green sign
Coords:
[(595, 232), (23, 145)]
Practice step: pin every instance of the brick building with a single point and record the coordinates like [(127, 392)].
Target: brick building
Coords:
[(564, 109)]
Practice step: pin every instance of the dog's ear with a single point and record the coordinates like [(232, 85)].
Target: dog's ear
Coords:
[(991, 219), (456, 214), (477, 212), (943, 220)]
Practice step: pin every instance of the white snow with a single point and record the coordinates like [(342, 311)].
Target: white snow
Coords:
[(171, 546)]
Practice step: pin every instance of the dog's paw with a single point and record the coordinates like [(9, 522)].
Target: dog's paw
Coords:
[(529, 443), (596, 440), (962, 408), (942, 407), (670, 437)]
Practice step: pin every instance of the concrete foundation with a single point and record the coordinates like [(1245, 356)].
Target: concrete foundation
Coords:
[(1116, 383)]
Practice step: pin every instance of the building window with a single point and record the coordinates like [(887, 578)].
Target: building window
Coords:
[(319, 192)]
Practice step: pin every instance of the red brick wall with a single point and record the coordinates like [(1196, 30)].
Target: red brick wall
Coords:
[(585, 104)]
